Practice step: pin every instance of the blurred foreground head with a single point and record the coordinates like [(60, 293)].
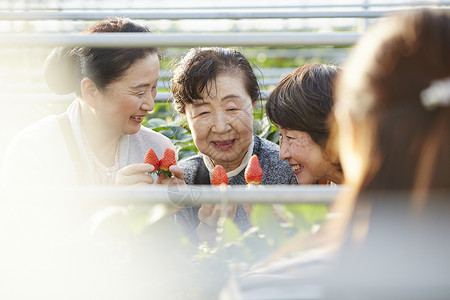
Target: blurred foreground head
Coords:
[(393, 105)]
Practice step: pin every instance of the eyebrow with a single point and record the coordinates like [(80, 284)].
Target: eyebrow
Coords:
[(140, 86), (198, 104), (143, 85), (230, 96)]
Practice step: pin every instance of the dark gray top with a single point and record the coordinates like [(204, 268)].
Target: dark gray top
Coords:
[(275, 171)]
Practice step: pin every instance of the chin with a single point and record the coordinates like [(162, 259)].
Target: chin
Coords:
[(302, 180), (132, 131)]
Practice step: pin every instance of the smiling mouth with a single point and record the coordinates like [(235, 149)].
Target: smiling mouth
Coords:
[(137, 118), (297, 167), (223, 143)]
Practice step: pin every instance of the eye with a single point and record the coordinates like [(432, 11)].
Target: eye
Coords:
[(155, 87), (139, 93)]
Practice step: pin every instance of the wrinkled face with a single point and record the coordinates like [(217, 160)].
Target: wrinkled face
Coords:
[(123, 104), (222, 121), (304, 156)]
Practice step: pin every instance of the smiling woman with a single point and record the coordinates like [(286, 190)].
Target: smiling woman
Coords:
[(99, 140), (216, 90), (300, 106)]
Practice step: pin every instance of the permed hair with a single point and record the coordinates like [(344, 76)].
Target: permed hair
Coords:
[(202, 65)]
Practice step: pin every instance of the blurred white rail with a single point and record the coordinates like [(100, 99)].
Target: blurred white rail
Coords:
[(134, 40), (367, 5), (266, 13), (186, 195)]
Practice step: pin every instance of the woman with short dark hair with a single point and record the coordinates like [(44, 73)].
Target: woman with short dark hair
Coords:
[(300, 106)]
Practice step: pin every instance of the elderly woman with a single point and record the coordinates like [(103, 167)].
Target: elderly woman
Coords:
[(300, 106), (99, 140), (216, 90)]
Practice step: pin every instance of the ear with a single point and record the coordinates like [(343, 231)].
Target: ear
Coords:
[(89, 92)]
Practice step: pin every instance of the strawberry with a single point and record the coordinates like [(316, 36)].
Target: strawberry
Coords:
[(152, 159), (253, 172), (219, 176), (167, 160)]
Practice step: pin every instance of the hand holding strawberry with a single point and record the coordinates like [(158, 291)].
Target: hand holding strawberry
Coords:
[(161, 166), (152, 159), (168, 159)]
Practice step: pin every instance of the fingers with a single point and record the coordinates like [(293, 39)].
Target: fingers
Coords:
[(137, 174), (231, 211), (177, 172), (205, 211), (135, 169), (210, 214), (177, 178)]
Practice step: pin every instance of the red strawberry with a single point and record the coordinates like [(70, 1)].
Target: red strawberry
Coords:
[(219, 176), (151, 158), (167, 160), (253, 171)]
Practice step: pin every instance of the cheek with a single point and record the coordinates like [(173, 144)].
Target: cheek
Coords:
[(199, 130), (126, 105), (308, 153), (242, 123), (300, 149)]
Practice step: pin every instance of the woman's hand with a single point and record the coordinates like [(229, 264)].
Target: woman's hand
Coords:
[(135, 175), (209, 214), (177, 178)]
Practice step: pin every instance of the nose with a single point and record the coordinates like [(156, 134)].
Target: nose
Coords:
[(148, 104), (284, 150), (221, 123)]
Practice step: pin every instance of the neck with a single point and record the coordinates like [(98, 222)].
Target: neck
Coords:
[(229, 166), (101, 140)]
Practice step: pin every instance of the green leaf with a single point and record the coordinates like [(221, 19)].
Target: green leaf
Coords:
[(263, 217), (156, 122), (231, 232), (182, 154), (304, 216), (274, 136)]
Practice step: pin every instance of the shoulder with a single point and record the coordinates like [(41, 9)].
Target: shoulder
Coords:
[(42, 125), (39, 133), (276, 170), (190, 167), (40, 149)]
